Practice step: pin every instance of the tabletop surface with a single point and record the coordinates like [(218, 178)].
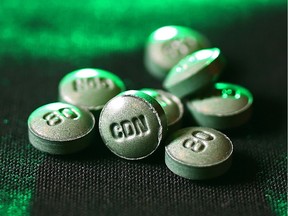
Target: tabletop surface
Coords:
[(43, 41)]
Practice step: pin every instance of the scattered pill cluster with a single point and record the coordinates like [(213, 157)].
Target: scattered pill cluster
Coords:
[(133, 123)]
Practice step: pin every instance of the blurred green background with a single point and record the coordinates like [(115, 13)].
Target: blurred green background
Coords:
[(75, 30)]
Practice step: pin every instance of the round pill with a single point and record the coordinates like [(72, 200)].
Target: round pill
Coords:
[(194, 72), (198, 153), (132, 125), (89, 88), (60, 128), (167, 45), (224, 106), (171, 105)]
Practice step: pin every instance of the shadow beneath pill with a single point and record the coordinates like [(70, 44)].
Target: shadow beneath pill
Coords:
[(269, 114), (242, 170), (95, 151), (188, 120), (157, 157), (268, 117)]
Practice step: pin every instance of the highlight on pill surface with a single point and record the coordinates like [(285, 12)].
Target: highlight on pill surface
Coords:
[(224, 106), (90, 88), (169, 44), (195, 72), (60, 128)]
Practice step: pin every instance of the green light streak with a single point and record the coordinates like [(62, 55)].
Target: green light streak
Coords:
[(277, 199), (153, 93), (73, 30), (278, 202), (235, 91), (17, 174), (14, 203)]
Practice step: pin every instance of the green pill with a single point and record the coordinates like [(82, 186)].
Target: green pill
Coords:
[(195, 72), (89, 88), (169, 44), (132, 125), (198, 153), (224, 106), (60, 128), (171, 105)]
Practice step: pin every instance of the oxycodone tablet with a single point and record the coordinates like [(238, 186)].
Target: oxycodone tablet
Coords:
[(198, 153), (169, 44), (195, 72), (60, 128), (171, 105), (132, 125), (223, 106), (89, 88)]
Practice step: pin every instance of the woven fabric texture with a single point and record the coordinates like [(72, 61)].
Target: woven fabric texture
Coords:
[(40, 43)]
